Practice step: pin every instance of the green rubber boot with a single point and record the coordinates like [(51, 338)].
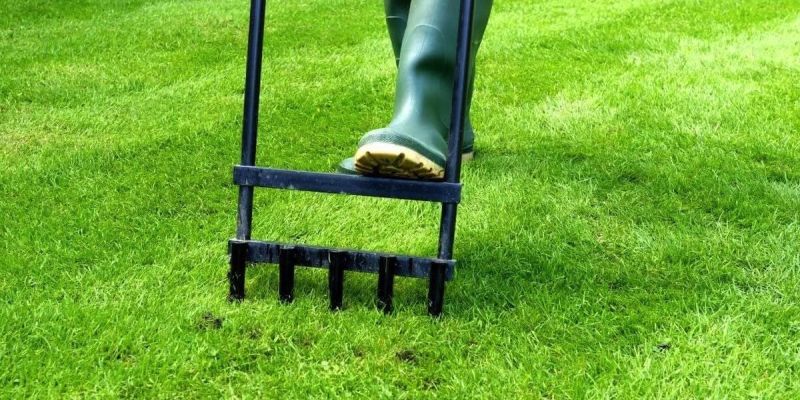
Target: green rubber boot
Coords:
[(396, 20), (415, 142)]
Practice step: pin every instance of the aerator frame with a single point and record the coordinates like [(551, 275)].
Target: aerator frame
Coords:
[(245, 252)]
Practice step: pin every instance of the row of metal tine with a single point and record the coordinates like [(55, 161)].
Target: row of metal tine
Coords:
[(338, 260)]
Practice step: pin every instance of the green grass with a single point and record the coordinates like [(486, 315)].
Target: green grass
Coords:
[(629, 229)]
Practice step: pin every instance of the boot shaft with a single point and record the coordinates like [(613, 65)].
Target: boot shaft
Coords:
[(396, 20), (427, 62)]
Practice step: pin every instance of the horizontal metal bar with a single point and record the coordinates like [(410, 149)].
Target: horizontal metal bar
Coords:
[(440, 192), (361, 261)]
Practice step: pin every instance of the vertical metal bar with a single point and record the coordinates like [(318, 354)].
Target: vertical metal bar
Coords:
[(237, 270), (460, 90), (436, 289), (386, 271), (286, 260), (457, 120), (338, 261), (447, 227), (252, 91)]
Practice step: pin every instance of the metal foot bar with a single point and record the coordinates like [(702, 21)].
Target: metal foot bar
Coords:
[(440, 192)]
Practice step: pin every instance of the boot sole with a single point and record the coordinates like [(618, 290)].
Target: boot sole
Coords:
[(395, 161)]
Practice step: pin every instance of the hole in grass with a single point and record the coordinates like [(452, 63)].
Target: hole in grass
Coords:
[(431, 383), (254, 334), (663, 347), (209, 321), (407, 356)]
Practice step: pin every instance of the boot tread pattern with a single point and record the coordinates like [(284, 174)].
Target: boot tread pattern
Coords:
[(394, 161)]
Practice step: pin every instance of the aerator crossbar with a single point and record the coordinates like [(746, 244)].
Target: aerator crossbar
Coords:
[(440, 192), (245, 252)]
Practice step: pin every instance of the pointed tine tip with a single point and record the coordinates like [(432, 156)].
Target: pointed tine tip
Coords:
[(436, 288)]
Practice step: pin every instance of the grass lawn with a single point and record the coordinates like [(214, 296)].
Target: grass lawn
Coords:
[(629, 228)]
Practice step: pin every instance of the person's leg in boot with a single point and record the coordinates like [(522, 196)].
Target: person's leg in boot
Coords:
[(414, 143), (396, 21)]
